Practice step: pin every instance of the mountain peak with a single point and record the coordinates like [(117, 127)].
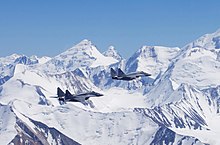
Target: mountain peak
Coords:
[(9, 59), (25, 60), (208, 41), (147, 51), (85, 46), (157, 58), (85, 42), (84, 54), (82, 46), (15, 55), (111, 48), (112, 52)]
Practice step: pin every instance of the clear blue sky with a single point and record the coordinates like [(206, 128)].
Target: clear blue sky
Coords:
[(49, 27)]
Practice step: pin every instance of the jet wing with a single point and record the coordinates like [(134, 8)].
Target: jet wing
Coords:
[(133, 75), (138, 74)]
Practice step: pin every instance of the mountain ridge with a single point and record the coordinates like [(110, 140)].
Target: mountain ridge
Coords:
[(178, 104)]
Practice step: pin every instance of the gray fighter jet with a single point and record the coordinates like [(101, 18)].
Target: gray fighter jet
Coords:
[(127, 77), (64, 97)]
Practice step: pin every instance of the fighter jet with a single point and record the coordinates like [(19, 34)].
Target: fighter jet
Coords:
[(127, 77), (64, 97)]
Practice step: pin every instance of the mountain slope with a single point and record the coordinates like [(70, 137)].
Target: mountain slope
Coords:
[(195, 113), (99, 128), (193, 65), (180, 105), (185, 98), (151, 59), (207, 41), (31, 102), (18, 129), (8, 64)]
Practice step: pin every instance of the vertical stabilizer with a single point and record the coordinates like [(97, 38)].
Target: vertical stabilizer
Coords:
[(68, 95), (121, 73), (113, 73), (60, 93)]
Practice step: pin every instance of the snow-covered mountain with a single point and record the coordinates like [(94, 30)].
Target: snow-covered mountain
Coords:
[(82, 55), (151, 59), (194, 65), (191, 112), (112, 52), (8, 64), (17, 128), (208, 41), (23, 59), (180, 95), (178, 104), (36, 117)]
